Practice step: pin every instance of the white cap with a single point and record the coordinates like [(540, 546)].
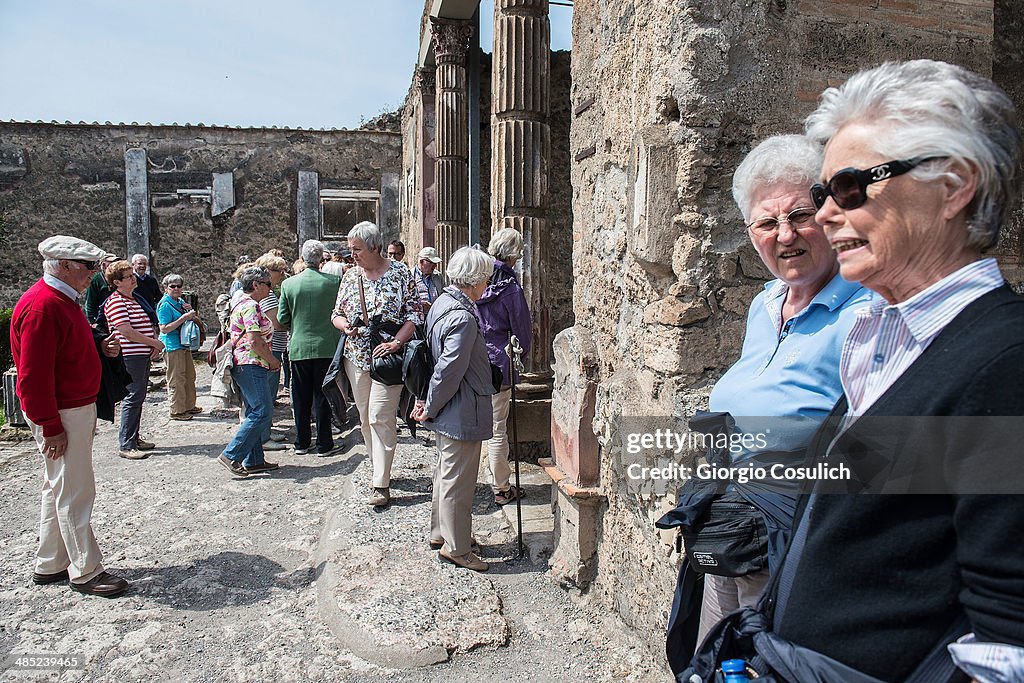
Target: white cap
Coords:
[(64, 247), (430, 254)]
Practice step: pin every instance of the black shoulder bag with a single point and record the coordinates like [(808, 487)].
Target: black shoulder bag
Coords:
[(386, 369)]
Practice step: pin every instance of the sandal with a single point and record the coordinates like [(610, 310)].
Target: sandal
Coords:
[(505, 497)]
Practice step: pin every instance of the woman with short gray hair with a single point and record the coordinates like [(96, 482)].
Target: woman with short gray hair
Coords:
[(380, 292), (921, 171), (458, 405), (172, 311), (788, 370), (253, 359), (504, 312)]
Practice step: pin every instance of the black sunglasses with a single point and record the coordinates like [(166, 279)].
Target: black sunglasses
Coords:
[(89, 265), (848, 187)]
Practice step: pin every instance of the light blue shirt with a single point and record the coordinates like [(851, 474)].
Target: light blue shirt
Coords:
[(790, 370), (167, 311)]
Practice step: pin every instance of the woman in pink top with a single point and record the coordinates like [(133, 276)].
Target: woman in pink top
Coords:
[(250, 332), (139, 346)]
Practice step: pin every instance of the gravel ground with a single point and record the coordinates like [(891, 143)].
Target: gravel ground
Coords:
[(288, 576)]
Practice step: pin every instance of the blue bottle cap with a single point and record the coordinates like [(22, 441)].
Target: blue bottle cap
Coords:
[(734, 666)]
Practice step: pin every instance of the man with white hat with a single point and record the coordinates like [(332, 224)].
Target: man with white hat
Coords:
[(58, 379), (429, 283)]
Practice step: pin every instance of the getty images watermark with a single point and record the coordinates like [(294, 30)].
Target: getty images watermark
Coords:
[(964, 455), (653, 454)]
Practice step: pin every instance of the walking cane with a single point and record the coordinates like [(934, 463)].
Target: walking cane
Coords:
[(515, 352)]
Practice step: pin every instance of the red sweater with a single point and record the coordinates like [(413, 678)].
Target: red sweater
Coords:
[(54, 352)]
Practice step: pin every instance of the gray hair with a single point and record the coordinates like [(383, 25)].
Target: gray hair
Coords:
[(253, 274), (369, 234), (924, 108), (312, 253), (136, 256), (170, 279), (505, 244), (793, 159), (51, 266), (469, 267)]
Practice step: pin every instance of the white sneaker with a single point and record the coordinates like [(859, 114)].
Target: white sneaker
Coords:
[(273, 446)]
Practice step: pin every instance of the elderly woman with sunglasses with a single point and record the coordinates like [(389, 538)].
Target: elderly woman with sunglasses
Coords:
[(921, 170), (139, 345), (253, 360), (172, 311), (789, 364)]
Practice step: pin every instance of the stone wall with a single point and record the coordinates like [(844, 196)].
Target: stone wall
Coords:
[(667, 98), (71, 179)]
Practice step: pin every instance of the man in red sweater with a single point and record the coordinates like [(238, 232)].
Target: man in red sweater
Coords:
[(59, 376)]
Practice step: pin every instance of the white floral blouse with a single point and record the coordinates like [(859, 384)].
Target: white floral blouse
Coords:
[(393, 296)]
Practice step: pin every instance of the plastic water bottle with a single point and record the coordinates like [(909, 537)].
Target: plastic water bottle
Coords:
[(735, 671)]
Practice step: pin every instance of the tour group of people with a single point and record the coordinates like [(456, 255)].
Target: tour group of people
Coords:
[(874, 223), (271, 319)]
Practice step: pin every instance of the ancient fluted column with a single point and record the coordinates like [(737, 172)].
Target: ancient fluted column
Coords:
[(521, 148), (425, 201), (451, 40)]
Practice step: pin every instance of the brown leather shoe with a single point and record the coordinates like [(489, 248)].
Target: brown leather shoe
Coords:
[(46, 579), (380, 497), (181, 416), (265, 467), (144, 445), (104, 584), (467, 561), (194, 410)]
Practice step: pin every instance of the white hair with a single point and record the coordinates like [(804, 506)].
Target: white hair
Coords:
[(369, 233), (469, 267), (170, 279), (924, 108), (312, 253), (138, 256), (793, 159), (505, 244), (51, 266)]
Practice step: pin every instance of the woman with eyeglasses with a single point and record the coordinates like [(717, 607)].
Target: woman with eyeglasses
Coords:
[(128, 320), (172, 311), (253, 360), (788, 369), (921, 171)]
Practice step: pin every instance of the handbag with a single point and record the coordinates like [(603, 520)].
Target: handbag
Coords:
[(386, 369)]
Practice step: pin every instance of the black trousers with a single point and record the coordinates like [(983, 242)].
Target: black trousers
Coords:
[(308, 401)]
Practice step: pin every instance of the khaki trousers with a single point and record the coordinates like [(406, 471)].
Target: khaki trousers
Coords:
[(724, 594), (66, 540), (497, 446), (181, 380), (451, 505), (378, 420)]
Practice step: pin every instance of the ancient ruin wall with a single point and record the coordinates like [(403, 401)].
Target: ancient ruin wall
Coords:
[(70, 179), (667, 98)]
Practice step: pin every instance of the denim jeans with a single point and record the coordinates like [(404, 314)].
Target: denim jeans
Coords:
[(247, 445), (273, 383), (131, 406)]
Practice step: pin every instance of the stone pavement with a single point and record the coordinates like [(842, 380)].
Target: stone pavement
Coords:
[(291, 575)]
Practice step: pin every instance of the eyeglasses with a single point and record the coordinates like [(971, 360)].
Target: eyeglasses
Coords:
[(89, 265), (268, 283), (800, 217), (177, 286), (848, 187)]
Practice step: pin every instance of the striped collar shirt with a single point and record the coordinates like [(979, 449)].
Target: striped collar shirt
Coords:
[(887, 338)]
